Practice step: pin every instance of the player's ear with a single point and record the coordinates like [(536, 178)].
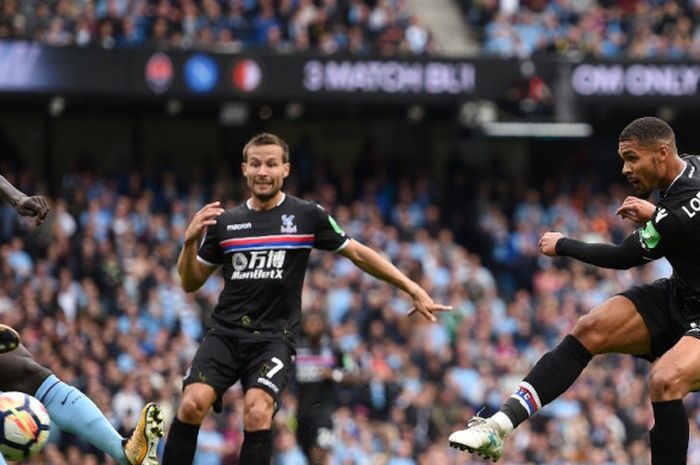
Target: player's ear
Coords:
[(244, 165), (287, 167)]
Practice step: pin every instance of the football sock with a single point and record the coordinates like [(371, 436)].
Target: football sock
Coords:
[(256, 448), (503, 422), (181, 444), (668, 439), (2, 460), (74, 412), (553, 374)]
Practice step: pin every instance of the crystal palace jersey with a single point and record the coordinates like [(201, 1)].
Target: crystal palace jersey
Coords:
[(674, 229), (263, 257), (315, 391)]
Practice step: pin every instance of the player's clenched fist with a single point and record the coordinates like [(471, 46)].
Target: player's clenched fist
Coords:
[(35, 205), (548, 243), (206, 216)]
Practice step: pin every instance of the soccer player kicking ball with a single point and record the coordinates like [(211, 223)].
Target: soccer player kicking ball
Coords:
[(658, 321), (263, 249), (69, 408)]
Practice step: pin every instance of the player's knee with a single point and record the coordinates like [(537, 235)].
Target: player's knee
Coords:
[(257, 415), (26, 375), (36, 378), (258, 410), (192, 409), (256, 420), (667, 382), (590, 332)]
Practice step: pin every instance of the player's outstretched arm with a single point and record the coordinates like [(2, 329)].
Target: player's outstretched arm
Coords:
[(620, 257), (371, 262), (194, 273), (35, 205)]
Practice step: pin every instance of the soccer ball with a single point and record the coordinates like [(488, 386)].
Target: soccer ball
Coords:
[(24, 425)]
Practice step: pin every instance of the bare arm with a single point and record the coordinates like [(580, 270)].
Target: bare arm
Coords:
[(371, 262), (194, 273), (10, 193), (35, 205)]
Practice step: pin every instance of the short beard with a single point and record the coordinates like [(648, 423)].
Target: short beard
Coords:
[(642, 194), (265, 197)]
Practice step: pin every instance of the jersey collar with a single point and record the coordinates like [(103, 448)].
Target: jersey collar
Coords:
[(685, 167)]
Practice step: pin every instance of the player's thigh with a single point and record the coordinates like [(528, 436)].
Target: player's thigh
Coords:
[(257, 400), (216, 364), (679, 368), (269, 368), (20, 372), (614, 326)]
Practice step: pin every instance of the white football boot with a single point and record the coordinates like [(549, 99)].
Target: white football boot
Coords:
[(482, 437)]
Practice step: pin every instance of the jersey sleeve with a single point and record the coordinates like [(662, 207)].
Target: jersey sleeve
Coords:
[(655, 239), (620, 257), (209, 251), (328, 235), (661, 233)]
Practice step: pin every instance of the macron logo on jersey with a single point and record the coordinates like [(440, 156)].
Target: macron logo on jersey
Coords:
[(239, 226)]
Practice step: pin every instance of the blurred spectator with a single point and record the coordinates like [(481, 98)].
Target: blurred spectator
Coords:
[(210, 444), (604, 29), (327, 26), (289, 452)]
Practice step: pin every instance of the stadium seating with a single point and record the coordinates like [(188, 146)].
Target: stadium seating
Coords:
[(359, 27)]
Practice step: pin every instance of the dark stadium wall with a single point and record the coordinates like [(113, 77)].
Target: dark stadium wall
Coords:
[(146, 138), (111, 141)]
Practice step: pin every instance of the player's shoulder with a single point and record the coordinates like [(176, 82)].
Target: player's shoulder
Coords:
[(300, 204), (691, 157), (234, 213), (233, 219), (240, 209), (683, 197), (686, 186), (692, 170)]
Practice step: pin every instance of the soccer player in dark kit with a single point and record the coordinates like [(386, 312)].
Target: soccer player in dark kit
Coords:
[(263, 248), (658, 321), (320, 366), (69, 408)]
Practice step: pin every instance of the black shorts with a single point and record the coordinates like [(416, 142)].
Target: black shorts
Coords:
[(669, 312), (20, 372), (222, 360), (315, 431)]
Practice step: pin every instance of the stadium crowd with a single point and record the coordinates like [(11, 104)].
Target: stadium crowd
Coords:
[(327, 26), (601, 28), (95, 295)]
